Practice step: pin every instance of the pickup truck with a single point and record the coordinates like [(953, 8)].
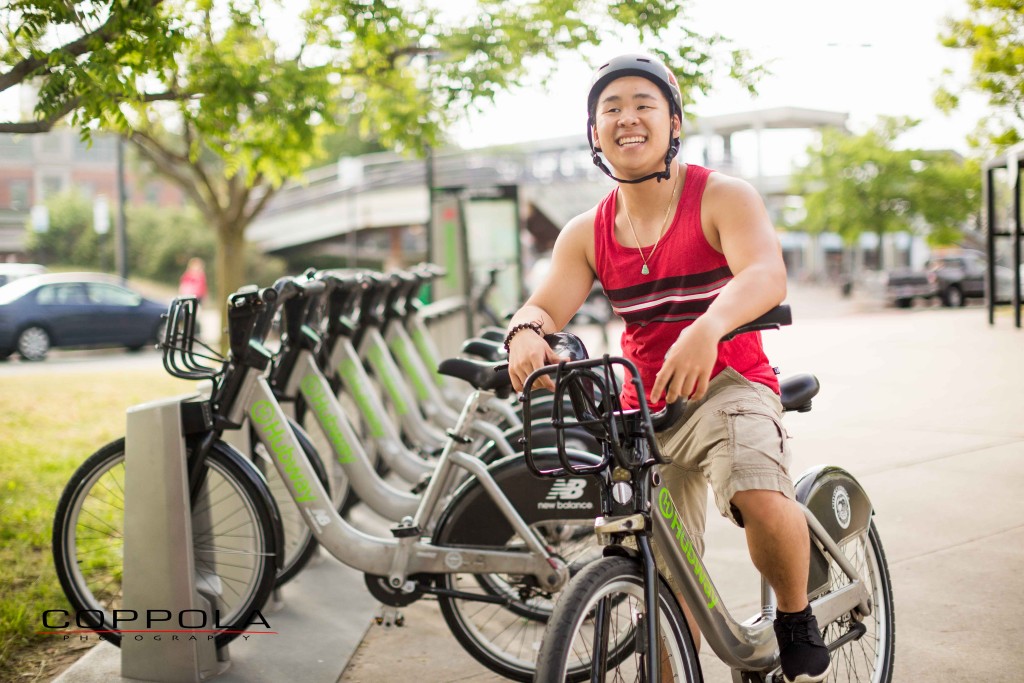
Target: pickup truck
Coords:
[(953, 277)]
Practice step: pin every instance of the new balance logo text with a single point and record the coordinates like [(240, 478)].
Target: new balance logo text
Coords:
[(567, 489), (565, 495)]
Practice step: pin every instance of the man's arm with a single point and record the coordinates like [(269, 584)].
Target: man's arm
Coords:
[(740, 229), (564, 289)]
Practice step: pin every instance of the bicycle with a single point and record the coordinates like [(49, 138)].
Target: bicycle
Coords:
[(601, 622), (237, 530), (490, 550), (340, 363)]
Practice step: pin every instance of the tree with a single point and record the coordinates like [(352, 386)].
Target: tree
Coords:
[(993, 31), (856, 184), (85, 58), (249, 104)]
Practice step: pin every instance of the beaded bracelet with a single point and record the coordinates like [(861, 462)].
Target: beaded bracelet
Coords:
[(516, 329)]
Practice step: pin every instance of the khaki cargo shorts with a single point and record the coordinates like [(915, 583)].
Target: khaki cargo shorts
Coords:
[(732, 439)]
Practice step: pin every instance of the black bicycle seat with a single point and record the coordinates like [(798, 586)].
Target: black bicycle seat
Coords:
[(797, 392), (479, 373)]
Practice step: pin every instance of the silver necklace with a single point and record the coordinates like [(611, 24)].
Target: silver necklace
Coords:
[(664, 223)]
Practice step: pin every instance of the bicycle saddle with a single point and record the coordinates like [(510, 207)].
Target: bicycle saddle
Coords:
[(481, 374), (797, 392), (487, 349)]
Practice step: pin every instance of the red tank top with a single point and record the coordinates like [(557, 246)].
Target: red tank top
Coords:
[(686, 274)]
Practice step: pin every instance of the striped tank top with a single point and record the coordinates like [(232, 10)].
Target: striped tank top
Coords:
[(686, 274)]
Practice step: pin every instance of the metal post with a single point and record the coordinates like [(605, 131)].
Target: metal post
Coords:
[(990, 240), (429, 160), (1015, 297), (159, 566), (121, 245)]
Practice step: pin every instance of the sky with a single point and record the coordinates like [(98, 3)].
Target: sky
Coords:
[(868, 58)]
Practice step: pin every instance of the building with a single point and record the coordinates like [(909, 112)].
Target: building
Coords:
[(35, 167)]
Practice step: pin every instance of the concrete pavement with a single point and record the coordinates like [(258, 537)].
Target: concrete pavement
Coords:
[(923, 406), (926, 408)]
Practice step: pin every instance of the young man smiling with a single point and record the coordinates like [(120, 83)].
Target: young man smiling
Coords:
[(686, 255)]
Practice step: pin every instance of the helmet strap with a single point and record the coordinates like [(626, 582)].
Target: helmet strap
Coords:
[(673, 150)]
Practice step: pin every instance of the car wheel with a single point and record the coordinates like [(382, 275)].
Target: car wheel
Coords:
[(33, 343), (904, 303), (954, 298)]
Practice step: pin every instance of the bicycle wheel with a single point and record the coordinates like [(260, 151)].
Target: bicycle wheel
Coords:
[(506, 636), (602, 616), (299, 543), (870, 657), (233, 536)]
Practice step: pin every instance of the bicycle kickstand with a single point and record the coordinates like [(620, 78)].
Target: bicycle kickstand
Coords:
[(389, 616)]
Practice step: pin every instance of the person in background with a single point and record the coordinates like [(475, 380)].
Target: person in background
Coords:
[(193, 280)]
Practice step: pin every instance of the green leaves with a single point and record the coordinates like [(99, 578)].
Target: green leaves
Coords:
[(853, 184), (993, 32), (231, 98)]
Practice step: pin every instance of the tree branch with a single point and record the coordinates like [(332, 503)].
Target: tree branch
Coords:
[(169, 164), (45, 125), (76, 48)]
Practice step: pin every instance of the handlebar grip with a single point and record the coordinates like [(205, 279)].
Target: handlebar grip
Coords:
[(668, 416), (772, 320)]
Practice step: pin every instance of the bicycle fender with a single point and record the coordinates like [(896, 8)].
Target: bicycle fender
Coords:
[(839, 503), (473, 519)]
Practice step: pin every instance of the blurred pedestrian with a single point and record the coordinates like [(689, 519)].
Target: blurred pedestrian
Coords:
[(193, 280)]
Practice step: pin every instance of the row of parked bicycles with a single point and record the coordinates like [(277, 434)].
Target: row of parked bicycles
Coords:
[(530, 521)]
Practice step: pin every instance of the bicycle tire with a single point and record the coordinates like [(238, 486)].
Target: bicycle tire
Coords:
[(617, 583), (88, 556), (869, 658), (300, 545), (504, 636)]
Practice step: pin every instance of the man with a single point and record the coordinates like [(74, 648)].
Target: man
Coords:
[(685, 256)]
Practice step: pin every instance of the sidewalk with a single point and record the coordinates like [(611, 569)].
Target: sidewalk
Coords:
[(923, 406)]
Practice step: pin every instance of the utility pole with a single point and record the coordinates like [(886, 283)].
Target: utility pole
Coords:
[(121, 245)]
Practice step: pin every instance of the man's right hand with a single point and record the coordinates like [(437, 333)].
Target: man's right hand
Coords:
[(527, 352)]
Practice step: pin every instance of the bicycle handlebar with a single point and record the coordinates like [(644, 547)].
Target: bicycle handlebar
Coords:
[(628, 435)]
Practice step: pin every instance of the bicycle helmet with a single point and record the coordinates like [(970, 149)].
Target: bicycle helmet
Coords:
[(644, 66)]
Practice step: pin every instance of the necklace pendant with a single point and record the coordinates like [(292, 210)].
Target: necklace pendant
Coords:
[(645, 270)]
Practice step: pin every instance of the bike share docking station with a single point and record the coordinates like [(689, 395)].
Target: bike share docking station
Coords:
[(160, 574)]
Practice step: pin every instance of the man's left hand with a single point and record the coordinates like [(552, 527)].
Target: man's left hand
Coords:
[(688, 365)]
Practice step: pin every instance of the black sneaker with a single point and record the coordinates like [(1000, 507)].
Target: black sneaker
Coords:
[(802, 651)]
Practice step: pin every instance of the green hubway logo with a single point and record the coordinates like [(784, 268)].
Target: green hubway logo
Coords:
[(276, 440), (319, 400), (355, 383), (668, 510)]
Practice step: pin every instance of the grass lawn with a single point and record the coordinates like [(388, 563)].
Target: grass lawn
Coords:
[(51, 422)]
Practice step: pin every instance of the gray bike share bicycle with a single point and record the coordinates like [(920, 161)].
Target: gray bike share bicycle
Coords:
[(237, 532), (602, 621), (491, 551)]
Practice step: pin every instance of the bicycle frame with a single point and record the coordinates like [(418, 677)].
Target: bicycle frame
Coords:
[(345, 361), (384, 367), (432, 358), (373, 347), (384, 499), (406, 554), (431, 400), (429, 397), (747, 646)]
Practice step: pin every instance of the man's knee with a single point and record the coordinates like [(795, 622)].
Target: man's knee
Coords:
[(757, 504)]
